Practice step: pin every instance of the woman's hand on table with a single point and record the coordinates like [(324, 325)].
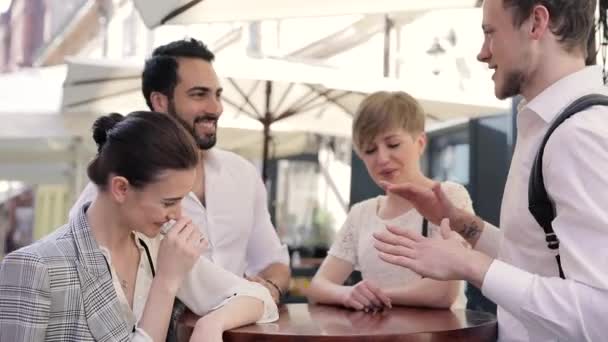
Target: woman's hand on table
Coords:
[(365, 296)]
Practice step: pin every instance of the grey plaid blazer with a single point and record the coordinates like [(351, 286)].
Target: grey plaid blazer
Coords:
[(60, 289)]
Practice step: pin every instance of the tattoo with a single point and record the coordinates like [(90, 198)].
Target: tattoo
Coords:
[(470, 231)]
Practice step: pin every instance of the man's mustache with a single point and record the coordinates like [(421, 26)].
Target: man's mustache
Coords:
[(208, 117)]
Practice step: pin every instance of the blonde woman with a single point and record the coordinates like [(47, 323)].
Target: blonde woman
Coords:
[(388, 136)]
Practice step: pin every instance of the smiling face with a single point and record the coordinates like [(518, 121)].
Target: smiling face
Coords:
[(145, 210), (505, 49), (196, 100), (393, 156)]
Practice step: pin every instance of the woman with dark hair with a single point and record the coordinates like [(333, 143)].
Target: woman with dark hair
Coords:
[(108, 275)]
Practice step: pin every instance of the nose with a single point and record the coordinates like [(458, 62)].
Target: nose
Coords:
[(175, 213), (382, 155), (215, 106), (484, 54)]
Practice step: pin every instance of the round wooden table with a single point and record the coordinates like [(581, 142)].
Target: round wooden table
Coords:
[(321, 323)]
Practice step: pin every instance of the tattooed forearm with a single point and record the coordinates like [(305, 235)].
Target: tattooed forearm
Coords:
[(468, 226), (470, 231)]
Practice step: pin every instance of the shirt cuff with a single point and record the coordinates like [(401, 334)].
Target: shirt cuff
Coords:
[(257, 291), (489, 240), (507, 286), (140, 336)]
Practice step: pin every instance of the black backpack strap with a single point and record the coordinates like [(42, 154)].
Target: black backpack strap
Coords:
[(425, 227), (539, 204)]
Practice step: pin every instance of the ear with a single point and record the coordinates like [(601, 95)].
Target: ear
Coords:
[(160, 102), (539, 22), (118, 187), (421, 143)]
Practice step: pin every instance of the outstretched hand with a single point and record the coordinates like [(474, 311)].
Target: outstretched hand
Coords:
[(431, 203), (441, 259)]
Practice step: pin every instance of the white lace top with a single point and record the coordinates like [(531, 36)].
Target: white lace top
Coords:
[(355, 243)]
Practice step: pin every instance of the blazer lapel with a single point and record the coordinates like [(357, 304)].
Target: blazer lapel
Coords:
[(101, 304)]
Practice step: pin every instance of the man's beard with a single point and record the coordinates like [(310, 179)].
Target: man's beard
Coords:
[(512, 85), (204, 142)]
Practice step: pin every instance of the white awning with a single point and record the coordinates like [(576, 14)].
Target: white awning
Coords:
[(101, 86), (155, 13)]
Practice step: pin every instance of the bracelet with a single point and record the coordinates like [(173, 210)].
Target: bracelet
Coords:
[(275, 286)]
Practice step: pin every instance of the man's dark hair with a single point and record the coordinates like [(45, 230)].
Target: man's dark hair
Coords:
[(160, 70), (571, 20)]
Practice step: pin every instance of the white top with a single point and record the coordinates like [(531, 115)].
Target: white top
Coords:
[(355, 242), (534, 303), (235, 220), (206, 288)]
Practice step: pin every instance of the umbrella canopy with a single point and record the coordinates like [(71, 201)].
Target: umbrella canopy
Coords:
[(197, 11), (36, 142), (290, 98), (257, 94)]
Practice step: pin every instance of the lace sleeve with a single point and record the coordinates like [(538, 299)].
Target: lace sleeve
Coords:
[(458, 195), (345, 244)]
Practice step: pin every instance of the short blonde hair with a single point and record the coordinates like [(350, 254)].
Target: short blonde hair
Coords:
[(383, 111)]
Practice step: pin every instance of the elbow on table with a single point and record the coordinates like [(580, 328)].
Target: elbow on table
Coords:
[(312, 292)]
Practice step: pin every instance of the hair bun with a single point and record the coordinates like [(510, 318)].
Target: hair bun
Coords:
[(102, 126)]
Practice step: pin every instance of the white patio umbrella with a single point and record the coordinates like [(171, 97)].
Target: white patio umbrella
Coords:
[(257, 95), (183, 12), (262, 94)]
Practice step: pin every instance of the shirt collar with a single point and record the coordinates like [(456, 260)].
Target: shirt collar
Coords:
[(136, 236), (551, 101)]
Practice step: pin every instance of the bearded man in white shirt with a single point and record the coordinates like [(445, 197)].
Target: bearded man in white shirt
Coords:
[(537, 49), (229, 200)]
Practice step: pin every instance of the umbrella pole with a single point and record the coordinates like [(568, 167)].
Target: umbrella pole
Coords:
[(266, 122), (265, 152)]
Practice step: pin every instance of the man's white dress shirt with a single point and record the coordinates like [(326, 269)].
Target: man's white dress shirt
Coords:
[(235, 217), (534, 304)]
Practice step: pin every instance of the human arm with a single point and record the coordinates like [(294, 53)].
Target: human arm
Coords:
[(25, 298), (427, 293), (178, 252), (435, 205), (549, 307), (327, 284), (237, 312), (275, 277), (208, 287), (571, 309), (267, 257)]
